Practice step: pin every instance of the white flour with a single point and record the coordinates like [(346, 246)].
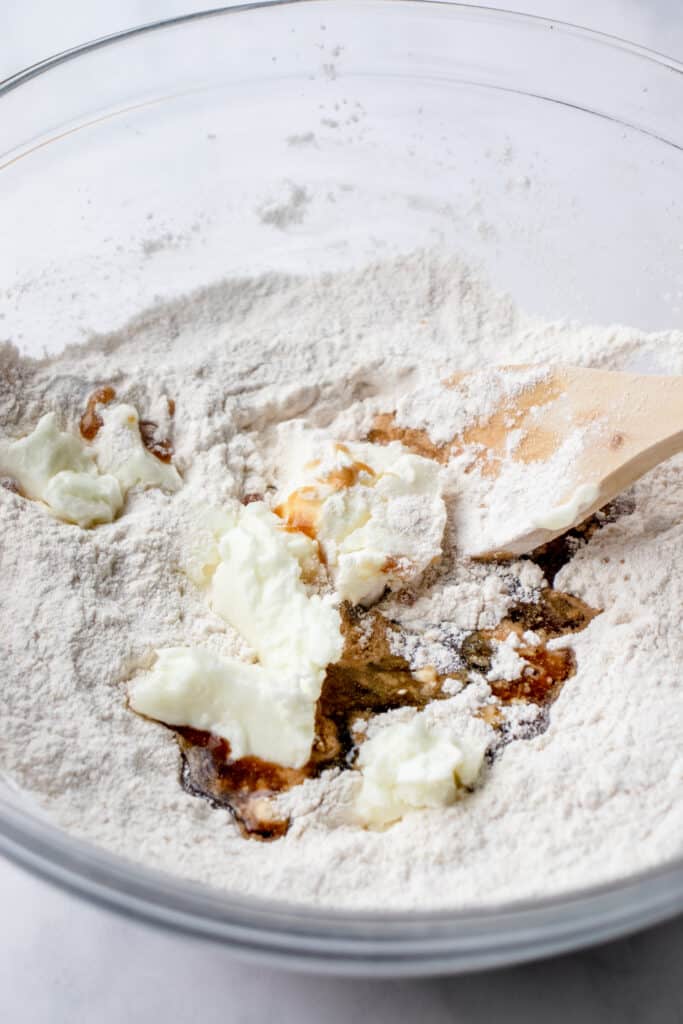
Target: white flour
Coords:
[(596, 796)]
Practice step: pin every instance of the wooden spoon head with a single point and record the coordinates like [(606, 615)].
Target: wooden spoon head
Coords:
[(611, 427), (557, 444)]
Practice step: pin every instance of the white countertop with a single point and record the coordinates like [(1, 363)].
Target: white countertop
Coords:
[(62, 960)]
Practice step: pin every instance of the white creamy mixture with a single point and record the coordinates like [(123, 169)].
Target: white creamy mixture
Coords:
[(80, 483), (281, 590), (594, 796)]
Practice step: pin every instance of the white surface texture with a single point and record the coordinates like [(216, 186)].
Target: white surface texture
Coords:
[(62, 960)]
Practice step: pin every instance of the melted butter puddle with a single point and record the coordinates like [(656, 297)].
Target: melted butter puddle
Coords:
[(91, 422), (303, 507), (368, 680)]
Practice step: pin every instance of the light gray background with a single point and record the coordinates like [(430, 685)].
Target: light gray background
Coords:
[(64, 961)]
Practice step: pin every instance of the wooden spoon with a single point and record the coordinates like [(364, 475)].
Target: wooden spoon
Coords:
[(630, 422)]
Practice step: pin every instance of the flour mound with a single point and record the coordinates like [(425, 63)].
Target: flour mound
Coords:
[(595, 796)]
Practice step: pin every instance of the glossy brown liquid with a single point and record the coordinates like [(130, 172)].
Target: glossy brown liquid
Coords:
[(302, 509), (161, 447), (91, 421), (369, 680)]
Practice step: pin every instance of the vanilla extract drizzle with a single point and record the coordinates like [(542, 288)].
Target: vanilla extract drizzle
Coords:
[(371, 678), (91, 422)]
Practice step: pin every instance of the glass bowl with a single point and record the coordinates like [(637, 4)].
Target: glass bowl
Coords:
[(149, 163)]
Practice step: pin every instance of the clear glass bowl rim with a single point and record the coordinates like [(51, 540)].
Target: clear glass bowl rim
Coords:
[(334, 941)]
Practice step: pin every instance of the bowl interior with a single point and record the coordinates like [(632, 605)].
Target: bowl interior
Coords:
[(316, 135), (324, 134)]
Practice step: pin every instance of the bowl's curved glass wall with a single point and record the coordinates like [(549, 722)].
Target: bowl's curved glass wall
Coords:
[(308, 136)]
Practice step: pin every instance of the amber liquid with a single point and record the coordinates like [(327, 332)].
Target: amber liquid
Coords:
[(369, 679), (91, 422)]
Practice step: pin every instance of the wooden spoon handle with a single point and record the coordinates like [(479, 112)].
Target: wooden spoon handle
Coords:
[(643, 425)]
